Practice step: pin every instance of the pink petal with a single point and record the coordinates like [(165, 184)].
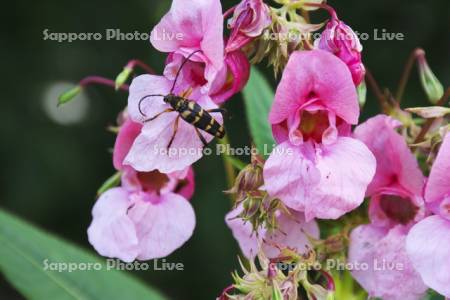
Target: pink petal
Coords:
[(389, 273), (317, 73), (238, 67), (325, 182), (346, 168), (145, 85), (187, 190), (127, 134), (292, 233), (111, 232), (150, 152), (428, 246), (243, 233), (438, 185), (200, 27), (363, 240), (162, 227), (397, 167), (290, 174)]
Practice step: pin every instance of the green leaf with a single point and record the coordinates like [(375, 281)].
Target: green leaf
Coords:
[(237, 163), (258, 96), (23, 253), (432, 295), (111, 182)]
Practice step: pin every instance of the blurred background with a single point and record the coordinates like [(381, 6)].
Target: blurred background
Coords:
[(52, 161)]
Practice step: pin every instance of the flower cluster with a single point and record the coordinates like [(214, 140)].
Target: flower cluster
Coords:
[(149, 215), (320, 172)]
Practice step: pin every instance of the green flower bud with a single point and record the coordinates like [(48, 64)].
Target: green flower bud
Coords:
[(362, 93), (432, 86), (69, 95), (123, 77)]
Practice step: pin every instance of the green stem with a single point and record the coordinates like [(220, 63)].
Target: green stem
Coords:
[(229, 168)]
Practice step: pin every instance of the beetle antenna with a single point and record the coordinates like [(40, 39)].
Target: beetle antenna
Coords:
[(181, 66), (142, 100)]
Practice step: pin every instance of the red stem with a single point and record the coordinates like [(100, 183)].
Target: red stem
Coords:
[(90, 80), (136, 62), (376, 89), (407, 72), (328, 8), (229, 11), (330, 281)]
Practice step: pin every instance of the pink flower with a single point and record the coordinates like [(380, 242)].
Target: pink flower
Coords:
[(232, 78), (342, 41), (150, 150), (144, 219), (192, 25), (249, 20), (229, 80), (397, 186), (290, 233), (317, 168), (396, 204), (381, 264), (128, 133), (149, 216), (428, 243)]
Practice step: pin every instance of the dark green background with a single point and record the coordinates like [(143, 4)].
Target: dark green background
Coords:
[(49, 173)]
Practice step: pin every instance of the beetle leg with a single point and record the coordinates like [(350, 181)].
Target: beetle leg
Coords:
[(165, 111), (223, 111), (202, 138), (175, 129)]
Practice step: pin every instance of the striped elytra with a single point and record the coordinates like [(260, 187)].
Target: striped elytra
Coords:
[(194, 114)]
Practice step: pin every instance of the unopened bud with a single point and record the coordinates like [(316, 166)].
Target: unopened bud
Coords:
[(69, 95), (250, 179), (251, 207), (430, 111), (362, 93), (432, 86), (123, 77)]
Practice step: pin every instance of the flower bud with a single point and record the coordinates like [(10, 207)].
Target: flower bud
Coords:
[(248, 180), (432, 86), (69, 95), (361, 89), (342, 41), (250, 18), (123, 77)]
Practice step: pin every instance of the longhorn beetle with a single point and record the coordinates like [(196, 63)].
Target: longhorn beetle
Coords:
[(189, 111)]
